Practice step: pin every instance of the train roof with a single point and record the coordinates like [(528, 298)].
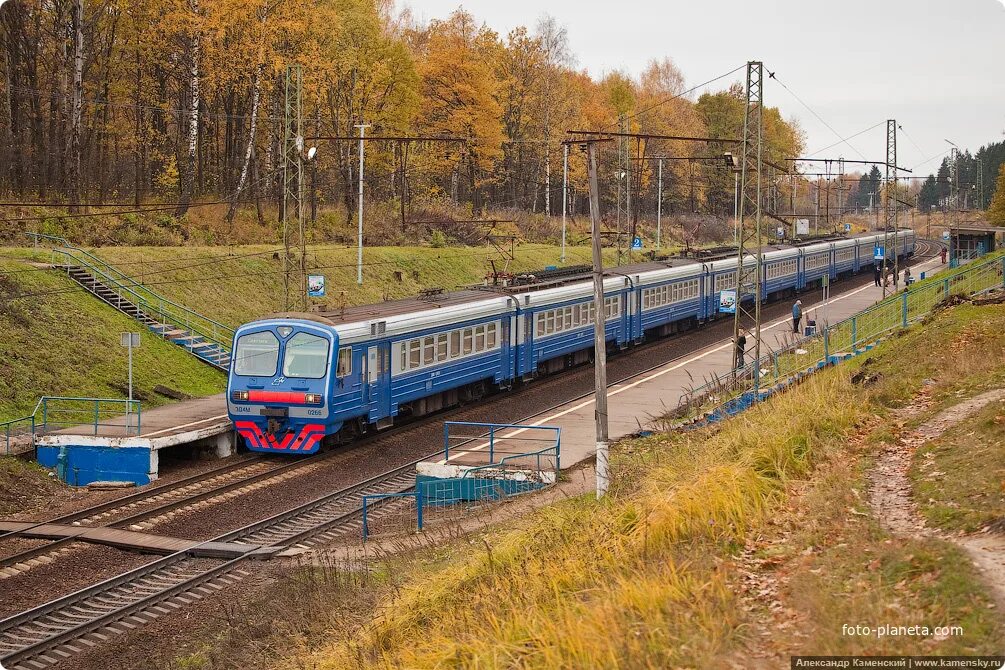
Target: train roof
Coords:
[(433, 308)]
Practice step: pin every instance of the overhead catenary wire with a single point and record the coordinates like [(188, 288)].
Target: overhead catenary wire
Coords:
[(773, 76), (845, 139)]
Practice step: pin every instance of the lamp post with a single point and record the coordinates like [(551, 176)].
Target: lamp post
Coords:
[(359, 232)]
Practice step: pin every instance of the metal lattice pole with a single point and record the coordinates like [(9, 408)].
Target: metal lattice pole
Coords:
[(749, 237), (293, 192), (890, 201)]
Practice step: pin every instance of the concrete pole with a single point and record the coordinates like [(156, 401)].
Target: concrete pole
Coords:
[(659, 203), (359, 207), (565, 192), (599, 326)]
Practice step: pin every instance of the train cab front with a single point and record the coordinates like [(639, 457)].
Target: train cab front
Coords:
[(280, 384)]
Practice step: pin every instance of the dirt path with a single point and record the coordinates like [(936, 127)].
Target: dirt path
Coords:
[(890, 488)]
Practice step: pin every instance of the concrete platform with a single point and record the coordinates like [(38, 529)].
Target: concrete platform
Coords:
[(81, 457), (634, 405), (127, 539)]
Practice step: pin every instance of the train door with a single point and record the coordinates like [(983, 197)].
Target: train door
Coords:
[(378, 379)]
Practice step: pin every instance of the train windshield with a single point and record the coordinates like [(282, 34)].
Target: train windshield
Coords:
[(256, 355), (306, 357)]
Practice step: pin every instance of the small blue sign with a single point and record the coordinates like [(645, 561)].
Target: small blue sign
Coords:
[(879, 253), (727, 301), (316, 286), (636, 243), (945, 234), (847, 227)]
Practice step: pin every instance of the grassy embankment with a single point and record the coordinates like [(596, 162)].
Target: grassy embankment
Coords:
[(235, 284), (65, 342), (61, 341), (744, 543)]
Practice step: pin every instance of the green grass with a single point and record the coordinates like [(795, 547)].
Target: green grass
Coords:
[(959, 479), (66, 343), (236, 284)]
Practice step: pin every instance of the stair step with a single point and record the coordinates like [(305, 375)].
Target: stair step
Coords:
[(203, 347)]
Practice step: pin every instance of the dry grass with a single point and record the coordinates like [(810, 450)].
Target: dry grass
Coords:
[(636, 580)]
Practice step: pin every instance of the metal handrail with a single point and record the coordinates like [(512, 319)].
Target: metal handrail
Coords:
[(62, 241), (7, 427), (93, 409), (502, 462), (148, 301), (490, 435)]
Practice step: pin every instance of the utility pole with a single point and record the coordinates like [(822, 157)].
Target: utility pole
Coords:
[(293, 192), (659, 202), (359, 208), (750, 240), (565, 192), (599, 325), (890, 201), (954, 182), (980, 183), (816, 212)]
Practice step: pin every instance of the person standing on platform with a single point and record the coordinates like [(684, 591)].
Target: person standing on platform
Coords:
[(741, 348), (943, 255), (877, 274), (907, 277), (797, 315)]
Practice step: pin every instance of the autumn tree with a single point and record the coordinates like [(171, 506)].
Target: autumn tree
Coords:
[(458, 99), (996, 212)]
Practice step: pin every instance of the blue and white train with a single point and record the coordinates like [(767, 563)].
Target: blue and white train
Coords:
[(297, 379)]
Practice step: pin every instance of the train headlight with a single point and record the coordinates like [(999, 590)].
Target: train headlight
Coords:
[(313, 398), (239, 396)]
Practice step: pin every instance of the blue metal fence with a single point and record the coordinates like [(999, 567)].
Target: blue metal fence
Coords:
[(93, 415), (737, 390), (514, 473)]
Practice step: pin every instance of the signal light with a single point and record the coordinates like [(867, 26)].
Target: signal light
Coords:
[(313, 398), (239, 396)]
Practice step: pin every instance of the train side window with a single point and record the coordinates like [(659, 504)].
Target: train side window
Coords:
[(491, 334), (480, 338), (428, 350), (455, 343), (467, 341), (402, 350), (441, 347), (414, 354), (568, 318), (540, 323), (343, 367), (549, 319)]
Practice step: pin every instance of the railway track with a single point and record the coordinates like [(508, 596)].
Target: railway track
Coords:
[(171, 499), (79, 621)]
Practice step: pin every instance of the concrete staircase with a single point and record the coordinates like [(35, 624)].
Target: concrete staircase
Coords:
[(202, 337)]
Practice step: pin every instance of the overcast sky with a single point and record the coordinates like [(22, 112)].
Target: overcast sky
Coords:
[(936, 67)]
